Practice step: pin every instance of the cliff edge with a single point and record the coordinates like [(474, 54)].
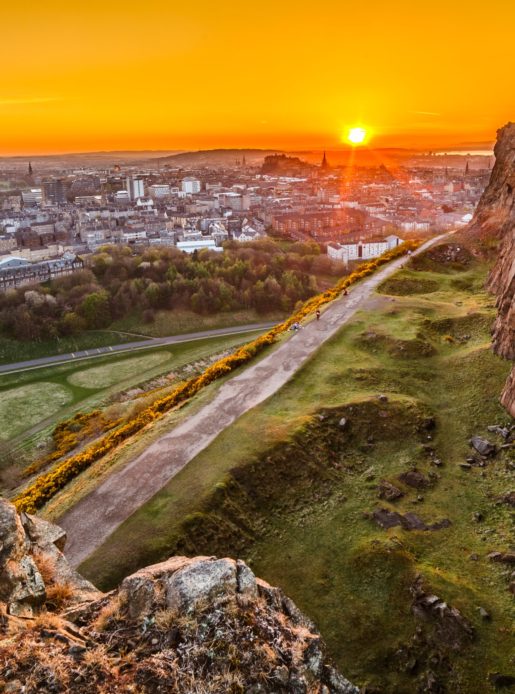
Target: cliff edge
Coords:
[(202, 625), (495, 216)]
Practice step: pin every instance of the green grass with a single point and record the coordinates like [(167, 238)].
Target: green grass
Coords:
[(131, 329), (90, 383), (290, 492), (12, 351), (179, 322), (23, 407), (98, 377)]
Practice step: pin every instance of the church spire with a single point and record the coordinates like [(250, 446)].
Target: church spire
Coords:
[(325, 164), (30, 168)]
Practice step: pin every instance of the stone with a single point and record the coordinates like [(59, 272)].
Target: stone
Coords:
[(21, 584), (502, 557), (343, 423), (483, 446), (382, 398), (465, 466), (477, 516), (388, 491), (198, 581), (415, 479), (502, 431), (484, 614), (410, 521)]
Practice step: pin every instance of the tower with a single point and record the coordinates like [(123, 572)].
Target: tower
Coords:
[(324, 166), (467, 168), (30, 168)]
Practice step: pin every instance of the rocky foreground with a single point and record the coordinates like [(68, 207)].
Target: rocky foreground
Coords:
[(186, 625)]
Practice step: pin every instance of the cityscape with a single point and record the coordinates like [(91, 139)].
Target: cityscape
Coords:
[(50, 219)]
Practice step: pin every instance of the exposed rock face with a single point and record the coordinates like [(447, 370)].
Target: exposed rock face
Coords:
[(495, 215), (186, 625), (26, 544)]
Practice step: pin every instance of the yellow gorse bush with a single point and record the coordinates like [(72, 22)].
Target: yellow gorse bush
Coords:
[(47, 485)]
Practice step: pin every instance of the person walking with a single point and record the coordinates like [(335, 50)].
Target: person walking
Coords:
[(318, 314)]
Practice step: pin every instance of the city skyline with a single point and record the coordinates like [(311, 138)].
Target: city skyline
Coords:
[(289, 76)]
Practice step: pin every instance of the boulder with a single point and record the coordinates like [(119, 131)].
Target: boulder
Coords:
[(415, 479), (483, 446), (388, 491), (410, 521), (21, 585)]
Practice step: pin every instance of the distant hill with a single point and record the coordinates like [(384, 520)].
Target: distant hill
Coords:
[(218, 157)]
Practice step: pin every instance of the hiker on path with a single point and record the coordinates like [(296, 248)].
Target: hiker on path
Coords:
[(318, 314)]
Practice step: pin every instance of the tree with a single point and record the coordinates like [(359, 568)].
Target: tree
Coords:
[(95, 310)]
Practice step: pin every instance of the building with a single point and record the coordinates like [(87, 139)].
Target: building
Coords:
[(362, 250), (55, 191), (198, 245), (159, 190), (16, 272), (190, 185), (32, 197), (122, 196), (135, 188)]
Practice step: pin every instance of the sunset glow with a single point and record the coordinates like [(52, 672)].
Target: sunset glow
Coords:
[(357, 136), (122, 75)]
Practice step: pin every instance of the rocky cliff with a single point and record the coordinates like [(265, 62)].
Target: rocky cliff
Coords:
[(202, 625), (495, 216)]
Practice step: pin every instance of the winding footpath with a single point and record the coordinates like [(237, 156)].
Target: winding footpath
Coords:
[(90, 522)]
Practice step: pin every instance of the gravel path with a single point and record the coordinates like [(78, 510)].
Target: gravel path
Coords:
[(90, 522)]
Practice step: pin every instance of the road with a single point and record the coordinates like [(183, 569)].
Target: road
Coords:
[(90, 522), (130, 347)]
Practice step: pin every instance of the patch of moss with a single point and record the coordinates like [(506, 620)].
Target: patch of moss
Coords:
[(404, 286)]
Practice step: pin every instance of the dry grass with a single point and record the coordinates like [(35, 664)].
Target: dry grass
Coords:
[(110, 613), (46, 620), (58, 595), (165, 619), (45, 567)]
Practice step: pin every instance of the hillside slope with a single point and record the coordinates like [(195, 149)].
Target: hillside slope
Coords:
[(357, 490)]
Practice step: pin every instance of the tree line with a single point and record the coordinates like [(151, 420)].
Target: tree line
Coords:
[(118, 282)]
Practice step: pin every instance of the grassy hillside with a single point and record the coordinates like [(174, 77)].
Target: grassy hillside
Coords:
[(293, 487)]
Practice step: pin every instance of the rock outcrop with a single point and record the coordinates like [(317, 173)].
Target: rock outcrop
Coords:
[(495, 216), (186, 625)]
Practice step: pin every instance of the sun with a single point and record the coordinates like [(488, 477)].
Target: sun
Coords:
[(356, 136)]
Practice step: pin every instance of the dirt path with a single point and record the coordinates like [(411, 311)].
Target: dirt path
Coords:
[(97, 515)]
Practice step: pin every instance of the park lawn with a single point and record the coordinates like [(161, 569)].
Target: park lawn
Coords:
[(90, 383), (272, 489), (98, 377), (22, 407)]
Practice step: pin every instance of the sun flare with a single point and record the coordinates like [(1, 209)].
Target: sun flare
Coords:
[(356, 136)]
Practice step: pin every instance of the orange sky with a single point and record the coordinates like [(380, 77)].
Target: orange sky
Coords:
[(156, 74)]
